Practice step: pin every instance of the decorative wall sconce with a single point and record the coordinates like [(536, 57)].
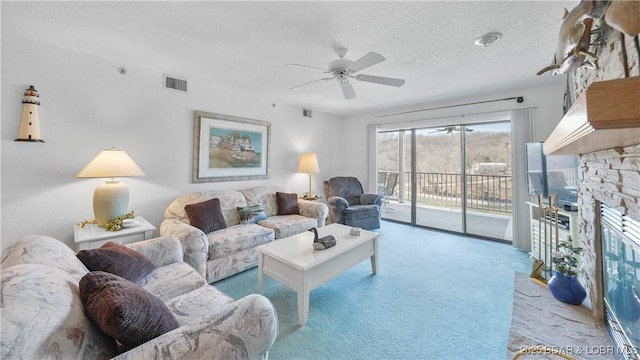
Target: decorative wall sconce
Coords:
[(30, 120)]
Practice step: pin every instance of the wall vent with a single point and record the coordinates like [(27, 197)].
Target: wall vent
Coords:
[(306, 113), (174, 83)]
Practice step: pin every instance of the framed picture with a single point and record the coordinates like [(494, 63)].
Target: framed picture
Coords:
[(230, 148)]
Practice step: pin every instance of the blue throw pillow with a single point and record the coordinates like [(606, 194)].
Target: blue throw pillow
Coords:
[(251, 214)]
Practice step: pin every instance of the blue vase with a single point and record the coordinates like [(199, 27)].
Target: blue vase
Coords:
[(567, 288)]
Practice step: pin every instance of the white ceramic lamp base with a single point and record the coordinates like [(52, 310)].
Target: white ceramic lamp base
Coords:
[(110, 200)]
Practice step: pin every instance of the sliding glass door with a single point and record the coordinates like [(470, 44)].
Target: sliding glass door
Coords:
[(488, 200), (438, 178), (394, 174), (436, 190)]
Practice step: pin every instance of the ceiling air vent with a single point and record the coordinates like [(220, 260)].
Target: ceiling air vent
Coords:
[(171, 82), (306, 113)]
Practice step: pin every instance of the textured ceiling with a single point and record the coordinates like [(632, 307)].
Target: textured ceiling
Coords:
[(244, 46)]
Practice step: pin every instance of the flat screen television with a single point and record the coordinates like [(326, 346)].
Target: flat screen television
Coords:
[(552, 174)]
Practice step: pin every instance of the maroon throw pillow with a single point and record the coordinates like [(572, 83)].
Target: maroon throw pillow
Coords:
[(124, 310), (287, 203), (117, 259), (206, 215)]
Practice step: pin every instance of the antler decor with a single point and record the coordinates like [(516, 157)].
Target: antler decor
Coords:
[(624, 16), (574, 38)]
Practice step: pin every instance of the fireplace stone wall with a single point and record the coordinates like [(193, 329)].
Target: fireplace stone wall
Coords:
[(609, 176)]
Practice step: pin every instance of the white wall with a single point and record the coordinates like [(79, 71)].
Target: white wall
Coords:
[(86, 105)]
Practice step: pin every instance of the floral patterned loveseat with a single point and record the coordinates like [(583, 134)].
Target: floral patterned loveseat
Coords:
[(221, 253), (43, 314)]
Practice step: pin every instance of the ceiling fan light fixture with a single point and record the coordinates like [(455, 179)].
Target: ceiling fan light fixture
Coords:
[(342, 52), (488, 39), (343, 69)]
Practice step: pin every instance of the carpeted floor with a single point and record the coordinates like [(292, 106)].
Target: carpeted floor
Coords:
[(436, 296)]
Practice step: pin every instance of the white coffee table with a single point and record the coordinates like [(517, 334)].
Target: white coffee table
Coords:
[(294, 262)]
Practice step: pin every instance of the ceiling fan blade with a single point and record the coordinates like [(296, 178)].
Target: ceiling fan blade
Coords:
[(308, 67), (348, 91), (365, 61), (312, 82), (380, 80)]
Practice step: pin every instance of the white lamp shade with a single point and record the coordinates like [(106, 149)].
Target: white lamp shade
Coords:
[(110, 163), (111, 199), (309, 164)]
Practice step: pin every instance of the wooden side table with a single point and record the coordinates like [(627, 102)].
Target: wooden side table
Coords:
[(92, 236)]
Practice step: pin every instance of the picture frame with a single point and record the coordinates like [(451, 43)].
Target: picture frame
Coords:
[(230, 148)]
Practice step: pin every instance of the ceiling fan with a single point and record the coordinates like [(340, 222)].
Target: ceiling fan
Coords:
[(450, 129), (343, 69)]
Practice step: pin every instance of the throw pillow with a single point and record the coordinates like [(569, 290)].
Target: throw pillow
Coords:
[(287, 203), (251, 214), (124, 310), (117, 259), (206, 215)]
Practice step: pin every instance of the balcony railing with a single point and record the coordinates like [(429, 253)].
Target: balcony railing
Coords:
[(484, 192)]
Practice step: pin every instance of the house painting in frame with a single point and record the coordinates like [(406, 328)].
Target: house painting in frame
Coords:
[(230, 148)]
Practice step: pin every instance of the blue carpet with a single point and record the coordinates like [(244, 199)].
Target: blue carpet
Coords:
[(436, 296)]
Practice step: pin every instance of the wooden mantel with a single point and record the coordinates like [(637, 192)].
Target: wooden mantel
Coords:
[(605, 116)]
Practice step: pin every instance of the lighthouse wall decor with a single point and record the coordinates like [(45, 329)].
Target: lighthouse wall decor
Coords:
[(30, 120)]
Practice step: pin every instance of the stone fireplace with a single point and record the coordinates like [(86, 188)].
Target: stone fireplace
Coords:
[(601, 124), (610, 176), (608, 179)]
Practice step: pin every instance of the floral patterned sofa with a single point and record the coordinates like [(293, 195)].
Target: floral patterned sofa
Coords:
[(221, 253), (43, 314)]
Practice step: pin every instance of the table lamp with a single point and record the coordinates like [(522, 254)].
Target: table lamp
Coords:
[(110, 199), (309, 165)]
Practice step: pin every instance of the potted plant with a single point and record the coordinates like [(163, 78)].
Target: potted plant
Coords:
[(564, 283)]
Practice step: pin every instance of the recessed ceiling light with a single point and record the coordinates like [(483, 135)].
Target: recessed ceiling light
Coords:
[(488, 39)]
